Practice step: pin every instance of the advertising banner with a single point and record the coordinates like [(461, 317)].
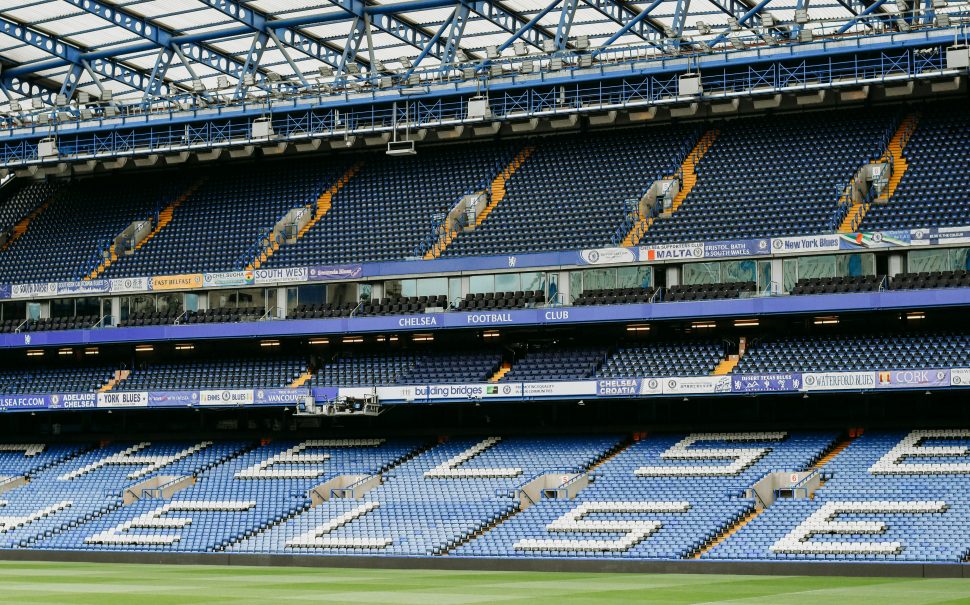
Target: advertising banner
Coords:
[(672, 252), (766, 383), (805, 244), (469, 391), (607, 256), (226, 397), (94, 286), (940, 236), (228, 278), (586, 388), (912, 379), (960, 377), (280, 396), (876, 239), (130, 284), (4, 291), (335, 272), (696, 385), (173, 398), (113, 399), (737, 249), (24, 402), (838, 381), (178, 282), (281, 276), (32, 290), (73, 401), (618, 387)]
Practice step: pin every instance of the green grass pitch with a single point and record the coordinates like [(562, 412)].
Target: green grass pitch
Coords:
[(109, 584)]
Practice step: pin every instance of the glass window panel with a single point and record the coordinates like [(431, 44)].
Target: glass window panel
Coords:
[(87, 306), (959, 259), (312, 295), (764, 276), (919, 261), (702, 273), (816, 266), (392, 288), (432, 286), (62, 307), (599, 279), (790, 277), (170, 302), (454, 289), (738, 271), (532, 282), (364, 291), (507, 282), (634, 277), (344, 293), (481, 283), (222, 299), (575, 285)]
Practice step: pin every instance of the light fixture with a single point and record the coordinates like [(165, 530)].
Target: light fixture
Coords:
[(703, 28), (35, 353), (829, 320), (325, 71), (490, 334), (405, 62), (269, 343), (348, 340), (92, 351), (422, 337), (66, 352), (638, 328), (746, 323), (352, 68), (319, 341), (393, 339), (703, 325), (185, 347), (492, 52), (144, 348), (915, 315)]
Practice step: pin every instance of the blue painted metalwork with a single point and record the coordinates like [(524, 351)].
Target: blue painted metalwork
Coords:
[(512, 23), (566, 17), (869, 10), (455, 31), (623, 14)]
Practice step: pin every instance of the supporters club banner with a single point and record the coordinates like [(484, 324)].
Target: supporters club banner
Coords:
[(960, 377), (25, 402), (805, 244), (124, 399), (766, 383), (173, 398), (696, 385), (940, 236), (737, 249), (229, 278), (5, 291), (226, 397), (838, 381), (335, 273), (912, 379), (277, 396), (130, 284), (877, 239), (281, 276)]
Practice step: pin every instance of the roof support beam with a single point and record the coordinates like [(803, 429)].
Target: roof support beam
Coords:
[(427, 50), (354, 38), (865, 13), (751, 14), (251, 67), (162, 63), (71, 80), (566, 16), (458, 21), (527, 30), (632, 23), (623, 15), (680, 17)]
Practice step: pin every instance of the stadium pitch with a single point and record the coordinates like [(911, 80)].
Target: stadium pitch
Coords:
[(109, 584)]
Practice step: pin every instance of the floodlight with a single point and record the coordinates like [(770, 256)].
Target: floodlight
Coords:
[(325, 71), (495, 70), (549, 46), (527, 67), (581, 43), (733, 23), (801, 16), (585, 60), (106, 96), (703, 28), (36, 103), (405, 62), (248, 80), (377, 65), (460, 56), (222, 82), (468, 73), (15, 106), (60, 100), (767, 20), (352, 68), (519, 48), (272, 76), (555, 64), (492, 52), (942, 20), (198, 86), (83, 97)]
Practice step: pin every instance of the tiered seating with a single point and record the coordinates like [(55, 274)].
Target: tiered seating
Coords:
[(402, 305), (502, 300), (615, 296), (223, 315), (64, 242), (935, 190), (934, 279), (218, 225), (80, 495), (20, 198), (650, 501), (73, 379), (387, 209), (774, 176), (242, 373), (574, 192), (686, 358), (365, 369), (79, 322), (321, 311), (899, 497), (847, 353), (556, 363), (709, 291), (454, 367), (151, 318), (838, 285), (431, 502)]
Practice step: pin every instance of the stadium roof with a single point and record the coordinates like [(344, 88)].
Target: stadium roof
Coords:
[(141, 49)]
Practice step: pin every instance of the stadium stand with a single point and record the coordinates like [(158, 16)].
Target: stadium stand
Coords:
[(838, 285), (790, 169), (67, 240), (933, 191), (663, 359), (241, 373), (689, 292), (601, 175), (74, 379), (556, 363), (930, 279), (856, 352)]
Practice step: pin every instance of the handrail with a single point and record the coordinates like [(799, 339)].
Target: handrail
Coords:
[(806, 478)]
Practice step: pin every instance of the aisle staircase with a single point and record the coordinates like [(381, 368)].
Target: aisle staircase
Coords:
[(302, 379), (497, 190), (727, 365), (120, 376), (20, 228), (894, 154), (504, 369), (728, 532), (688, 178)]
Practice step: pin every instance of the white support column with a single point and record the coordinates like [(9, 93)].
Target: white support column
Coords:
[(673, 275)]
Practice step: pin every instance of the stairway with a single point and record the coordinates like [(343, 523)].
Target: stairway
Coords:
[(101, 268), (20, 228), (447, 236), (727, 533), (501, 372), (893, 153), (832, 453), (726, 366), (325, 201), (120, 376), (688, 178), (302, 379)]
